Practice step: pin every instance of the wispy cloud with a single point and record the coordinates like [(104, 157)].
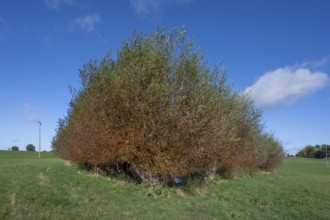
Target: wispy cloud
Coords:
[(315, 64), (147, 7), (46, 40), (31, 113), (87, 23), (4, 30), (286, 85), (15, 140), (56, 4)]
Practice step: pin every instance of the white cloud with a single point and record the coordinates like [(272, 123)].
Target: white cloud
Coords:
[(145, 7), (30, 113), (88, 22), (286, 85), (56, 4)]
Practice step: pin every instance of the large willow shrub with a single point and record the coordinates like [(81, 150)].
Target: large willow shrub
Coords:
[(157, 111)]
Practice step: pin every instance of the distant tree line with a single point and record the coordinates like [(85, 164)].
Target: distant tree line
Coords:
[(29, 147), (317, 151)]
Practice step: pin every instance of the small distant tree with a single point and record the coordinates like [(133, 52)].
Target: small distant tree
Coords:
[(30, 147), (14, 148)]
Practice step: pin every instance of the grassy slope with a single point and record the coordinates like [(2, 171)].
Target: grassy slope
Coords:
[(49, 188)]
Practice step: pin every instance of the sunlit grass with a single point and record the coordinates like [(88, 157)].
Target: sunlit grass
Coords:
[(51, 188)]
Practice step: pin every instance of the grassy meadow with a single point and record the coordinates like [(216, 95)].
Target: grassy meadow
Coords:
[(51, 188)]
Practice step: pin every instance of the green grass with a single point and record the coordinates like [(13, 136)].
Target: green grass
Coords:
[(25, 155), (51, 188)]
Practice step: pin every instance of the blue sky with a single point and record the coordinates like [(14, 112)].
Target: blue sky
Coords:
[(277, 50)]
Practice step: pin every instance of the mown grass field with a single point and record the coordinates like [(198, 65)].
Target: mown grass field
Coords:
[(51, 188)]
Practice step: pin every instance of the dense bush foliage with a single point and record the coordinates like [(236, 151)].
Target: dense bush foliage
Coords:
[(159, 111), (30, 147), (317, 151)]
